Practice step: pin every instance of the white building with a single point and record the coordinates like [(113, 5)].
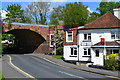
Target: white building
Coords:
[(92, 42)]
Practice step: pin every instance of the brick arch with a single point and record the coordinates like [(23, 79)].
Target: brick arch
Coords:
[(36, 32), (40, 29), (28, 41)]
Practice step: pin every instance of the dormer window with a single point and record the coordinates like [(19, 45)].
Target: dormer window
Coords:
[(69, 36)]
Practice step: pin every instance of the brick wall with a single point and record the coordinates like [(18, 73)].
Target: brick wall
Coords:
[(74, 38)]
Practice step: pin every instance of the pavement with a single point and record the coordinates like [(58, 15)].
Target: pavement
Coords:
[(78, 67)]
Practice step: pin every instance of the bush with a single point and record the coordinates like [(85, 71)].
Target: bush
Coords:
[(60, 51), (113, 63)]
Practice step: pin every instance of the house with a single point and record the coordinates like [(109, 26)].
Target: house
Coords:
[(92, 42)]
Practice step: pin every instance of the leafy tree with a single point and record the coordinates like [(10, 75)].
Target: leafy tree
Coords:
[(37, 12), (56, 15), (106, 6), (75, 13), (14, 13), (93, 16), (7, 37), (58, 39)]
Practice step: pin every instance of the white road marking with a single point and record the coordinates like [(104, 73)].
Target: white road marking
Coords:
[(72, 75)]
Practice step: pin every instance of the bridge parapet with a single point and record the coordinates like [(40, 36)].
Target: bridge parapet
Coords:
[(40, 29)]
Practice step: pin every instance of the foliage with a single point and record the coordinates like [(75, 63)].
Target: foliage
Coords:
[(37, 12), (7, 37), (93, 16), (58, 38), (113, 55), (60, 51), (1, 76), (75, 13), (14, 13), (9, 49), (105, 7), (56, 15), (112, 63)]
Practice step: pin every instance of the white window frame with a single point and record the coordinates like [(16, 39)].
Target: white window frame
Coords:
[(116, 34), (51, 41), (87, 51), (87, 36), (67, 36), (74, 48)]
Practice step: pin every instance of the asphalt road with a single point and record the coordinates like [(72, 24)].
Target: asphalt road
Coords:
[(41, 69), (9, 71)]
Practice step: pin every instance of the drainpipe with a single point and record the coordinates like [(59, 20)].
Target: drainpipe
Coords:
[(78, 53)]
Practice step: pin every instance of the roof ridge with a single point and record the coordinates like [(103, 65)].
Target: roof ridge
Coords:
[(98, 18)]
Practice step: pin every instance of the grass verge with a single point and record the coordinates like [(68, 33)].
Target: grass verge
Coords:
[(57, 56), (1, 76)]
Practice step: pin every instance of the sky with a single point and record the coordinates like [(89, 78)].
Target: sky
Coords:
[(91, 5)]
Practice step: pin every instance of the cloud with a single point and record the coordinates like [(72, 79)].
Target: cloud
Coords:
[(3, 14), (89, 10)]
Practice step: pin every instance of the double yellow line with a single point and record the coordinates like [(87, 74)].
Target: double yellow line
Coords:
[(10, 61)]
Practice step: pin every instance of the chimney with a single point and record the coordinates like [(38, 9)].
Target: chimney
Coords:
[(117, 12)]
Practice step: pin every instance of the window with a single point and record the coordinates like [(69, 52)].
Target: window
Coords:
[(112, 35), (87, 52), (87, 36), (74, 51), (51, 42), (97, 53), (112, 51), (69, 36), (115, 35), (115, 51)]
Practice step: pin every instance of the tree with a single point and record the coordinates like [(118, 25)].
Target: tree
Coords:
[(56, 15), (14, 13), (106, 6), (37, 12), (93, 16), (58, 39), (8, 37), (75, 13)]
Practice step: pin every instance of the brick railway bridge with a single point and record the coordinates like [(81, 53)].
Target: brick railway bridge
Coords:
[(31, 38)]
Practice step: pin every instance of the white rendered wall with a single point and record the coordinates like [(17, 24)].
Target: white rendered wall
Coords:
[(97, 60), (96, 34), (67, 53)]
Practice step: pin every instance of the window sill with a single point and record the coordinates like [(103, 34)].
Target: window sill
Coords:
[(86, 40), (86, 56), (73, 56)]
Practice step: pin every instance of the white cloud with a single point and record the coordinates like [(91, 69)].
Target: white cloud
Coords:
[(3, 14), (89, 10)]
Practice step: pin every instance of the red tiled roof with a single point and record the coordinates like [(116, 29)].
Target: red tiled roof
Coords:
[(107, 44), (106, 21)]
